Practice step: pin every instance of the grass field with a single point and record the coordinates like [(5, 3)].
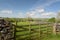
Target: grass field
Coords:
[(25, 31)]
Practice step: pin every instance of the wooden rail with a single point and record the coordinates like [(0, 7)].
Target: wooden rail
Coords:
[(42, 31)]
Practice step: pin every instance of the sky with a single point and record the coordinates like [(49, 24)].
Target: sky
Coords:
[(29, 8)]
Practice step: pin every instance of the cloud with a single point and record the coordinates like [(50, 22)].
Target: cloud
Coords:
[(20, 15), (40, 10), (29, 14), (40, 13), (6, 11), (38, 4), (49, 14), (34, 13)]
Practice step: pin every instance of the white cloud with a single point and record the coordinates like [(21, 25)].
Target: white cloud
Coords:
[(40, 13), (20, 15), (29, 14), (33, 12), (6, 11), (49, 14), (40, 10)]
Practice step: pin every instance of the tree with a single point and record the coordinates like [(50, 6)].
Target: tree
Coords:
[(51, 19)]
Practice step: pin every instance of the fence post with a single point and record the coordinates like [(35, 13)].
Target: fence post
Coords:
[(39, 32), (54, 29), (15, 31), (29, 29)]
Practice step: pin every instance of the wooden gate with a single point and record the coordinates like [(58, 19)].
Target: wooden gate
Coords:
[(34, 31)]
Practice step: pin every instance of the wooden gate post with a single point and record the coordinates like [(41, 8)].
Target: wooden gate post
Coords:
[(54, 29)]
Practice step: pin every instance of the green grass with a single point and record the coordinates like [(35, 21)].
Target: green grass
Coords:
[(23, 23), (26, 34)]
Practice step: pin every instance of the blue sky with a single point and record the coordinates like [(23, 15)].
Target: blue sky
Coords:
[(29, 8)]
